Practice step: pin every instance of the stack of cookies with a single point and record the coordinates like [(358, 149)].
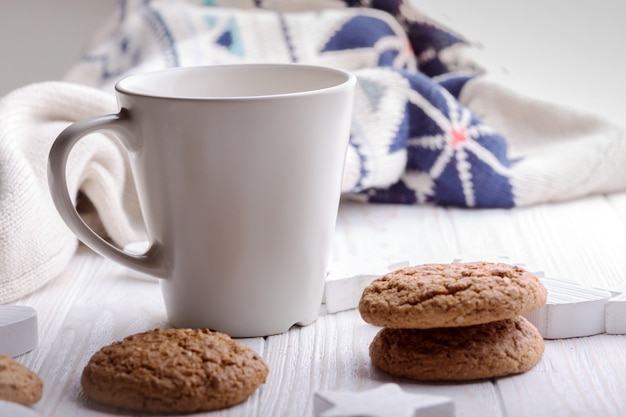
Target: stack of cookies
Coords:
[(454, 322)]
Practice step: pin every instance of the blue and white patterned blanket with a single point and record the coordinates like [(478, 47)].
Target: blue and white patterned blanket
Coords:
[(415, 136)]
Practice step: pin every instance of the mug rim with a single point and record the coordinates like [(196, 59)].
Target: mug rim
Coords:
[(122, 87)]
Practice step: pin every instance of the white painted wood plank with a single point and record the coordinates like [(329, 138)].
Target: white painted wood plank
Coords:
[(582, 241), (417, 234), (575, 378)]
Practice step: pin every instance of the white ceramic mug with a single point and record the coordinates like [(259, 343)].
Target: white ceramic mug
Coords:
[(238, 171)]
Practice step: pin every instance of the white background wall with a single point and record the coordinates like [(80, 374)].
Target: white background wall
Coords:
[(40, 39), (573, 51), (570, 51)]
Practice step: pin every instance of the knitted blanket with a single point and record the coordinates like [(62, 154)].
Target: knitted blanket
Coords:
[(429, 126)]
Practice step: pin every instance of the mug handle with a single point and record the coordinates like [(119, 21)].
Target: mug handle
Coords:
[(150, 262)]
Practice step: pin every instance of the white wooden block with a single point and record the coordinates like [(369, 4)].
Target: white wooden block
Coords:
[(571, 310), (616, 290), (18, 330), (347, 279), (387, 400), (475, 257), (10, 409), (615, 315)]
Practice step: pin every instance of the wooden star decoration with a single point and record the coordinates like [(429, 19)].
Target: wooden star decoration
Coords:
[(18, 330), (387, 400)]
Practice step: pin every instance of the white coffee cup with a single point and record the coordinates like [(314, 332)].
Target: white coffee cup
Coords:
[(238, 171)]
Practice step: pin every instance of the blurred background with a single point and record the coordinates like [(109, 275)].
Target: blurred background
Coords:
[(572, 52), (41, 39)]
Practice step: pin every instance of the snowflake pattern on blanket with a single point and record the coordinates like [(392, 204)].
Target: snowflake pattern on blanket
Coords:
[(411, 142), (453, 159)]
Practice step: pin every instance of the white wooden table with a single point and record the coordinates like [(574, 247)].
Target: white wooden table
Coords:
[(95, 302)]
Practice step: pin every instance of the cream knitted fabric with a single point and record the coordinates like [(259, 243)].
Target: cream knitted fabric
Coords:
[(563, 153), (35, 245)]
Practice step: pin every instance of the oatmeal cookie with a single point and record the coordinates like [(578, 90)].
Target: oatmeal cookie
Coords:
[(450, 295), (489, 350), (173, 371)]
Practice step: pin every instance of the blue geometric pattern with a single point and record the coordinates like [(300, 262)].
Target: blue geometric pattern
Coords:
[(459, 160), (464, 160), (428, 39), (230, 38), (358, 32)]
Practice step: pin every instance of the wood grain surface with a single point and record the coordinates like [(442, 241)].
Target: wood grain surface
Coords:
[(95, 302)]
